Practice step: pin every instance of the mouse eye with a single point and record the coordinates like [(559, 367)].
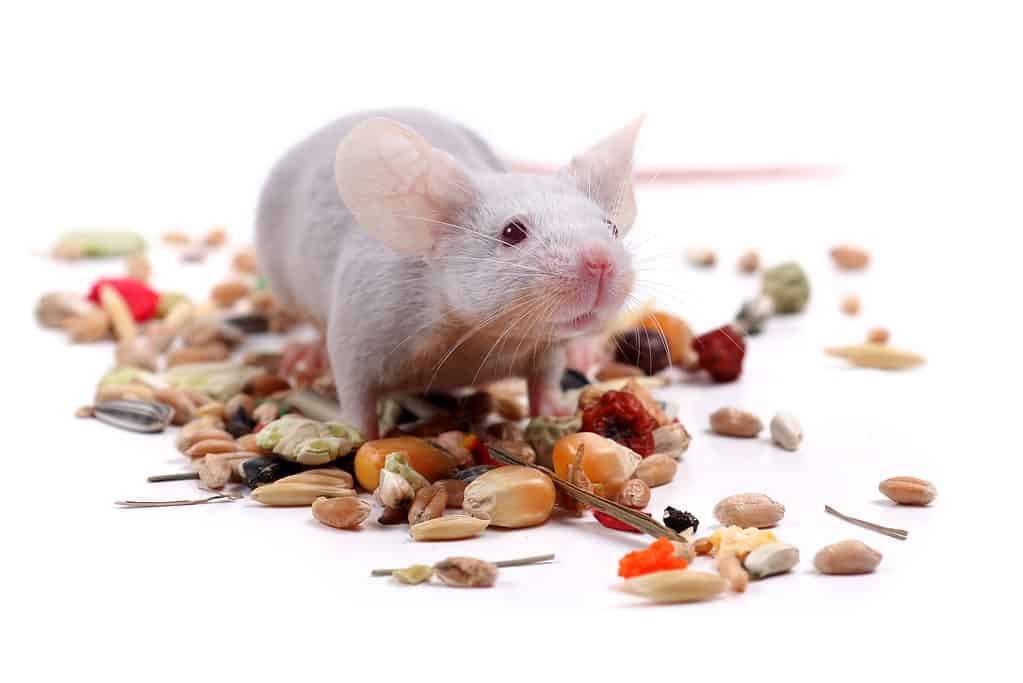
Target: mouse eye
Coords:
[(614, 228), (514, 233)]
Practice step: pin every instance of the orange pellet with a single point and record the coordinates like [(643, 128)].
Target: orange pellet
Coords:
[(658, 556)]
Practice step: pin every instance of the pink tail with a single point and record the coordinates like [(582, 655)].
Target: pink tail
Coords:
[(677, 174)]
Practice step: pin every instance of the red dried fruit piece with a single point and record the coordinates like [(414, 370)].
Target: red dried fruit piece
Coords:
[(480, 452), (721, 352), (658, 556), (612, 523), (622, 417), (141, 300)]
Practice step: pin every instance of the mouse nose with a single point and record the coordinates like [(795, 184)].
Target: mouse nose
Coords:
[(596, 260)]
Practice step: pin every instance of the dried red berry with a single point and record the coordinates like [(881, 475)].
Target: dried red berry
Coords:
[(480, 452), (612, 523), (141, 300), (622, 417), (721, 352)]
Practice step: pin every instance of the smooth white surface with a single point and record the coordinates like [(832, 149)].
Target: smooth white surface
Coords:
[(121, 116)]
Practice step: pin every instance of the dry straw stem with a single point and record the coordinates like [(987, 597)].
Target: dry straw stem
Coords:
[(517, 562), (226, 498), (900, 534), (878, 356)]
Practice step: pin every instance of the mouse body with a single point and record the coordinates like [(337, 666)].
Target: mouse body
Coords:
[(426, 264)]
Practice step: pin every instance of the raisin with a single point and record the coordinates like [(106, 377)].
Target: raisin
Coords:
[(679, 521), (573, 379), (646, 349), (621, 417)]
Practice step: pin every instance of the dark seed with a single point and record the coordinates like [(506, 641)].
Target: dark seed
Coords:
[(470, 474), (250, 324), (644, 349), (266, 470), (573, 379), (135, 416), (679, 521), (240, 424)]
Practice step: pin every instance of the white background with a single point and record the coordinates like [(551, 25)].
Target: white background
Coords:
[(168, 118)]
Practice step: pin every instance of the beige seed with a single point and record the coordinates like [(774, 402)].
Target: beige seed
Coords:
[(909, 490), (674, 585), (509, 408), (206, 446), (848, 257), (847, 557), (290, 494), (137, 353), (324, 476), (414, 575), (214, 474), (198, 354), (184, 407), (341, 513), (227, 294), (851, 305), (730, 421), (879, 356), (449, 528), (771, 559), (249, 442), (701, 257), (176, 237), (120, 315), (88, 328), (749, 510), (731, 570), (189, 437), (656, 470), (54, 308)]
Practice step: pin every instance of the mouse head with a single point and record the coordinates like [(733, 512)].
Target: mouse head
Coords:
[(540, 253)]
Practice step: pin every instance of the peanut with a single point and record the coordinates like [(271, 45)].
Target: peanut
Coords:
[(749, 510), (851, 305), (138, 268), (730, 421), (341, 513), (215, 237), (878, 335), (266, 384), (847, 557), (245, 261), (656, 469), (848, 257), (749, 262), (909, 490)]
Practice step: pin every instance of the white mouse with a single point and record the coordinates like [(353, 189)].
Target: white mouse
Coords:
[(425, 263)]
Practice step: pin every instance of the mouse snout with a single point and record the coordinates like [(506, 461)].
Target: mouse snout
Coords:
[(597, 261)]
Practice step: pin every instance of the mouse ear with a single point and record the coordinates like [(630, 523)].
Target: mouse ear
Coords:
[(604, 173), (400, 189)]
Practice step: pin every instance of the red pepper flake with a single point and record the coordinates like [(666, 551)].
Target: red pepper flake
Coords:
[(658, 556), (721, 352), (141, 300), (622, 417), (612, 523)]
